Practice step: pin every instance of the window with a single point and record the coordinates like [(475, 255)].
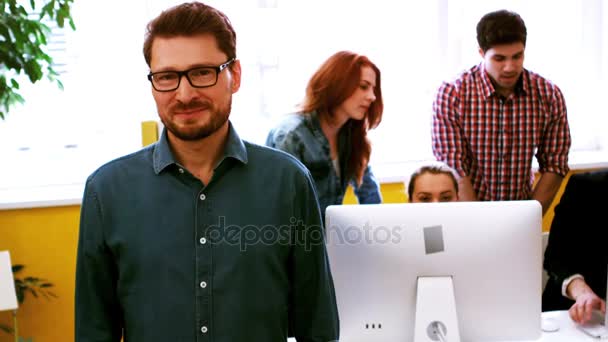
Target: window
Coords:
[(60, 137)]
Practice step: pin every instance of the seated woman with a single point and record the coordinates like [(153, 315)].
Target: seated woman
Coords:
[(576, 258), (433, 183), (329, 133)]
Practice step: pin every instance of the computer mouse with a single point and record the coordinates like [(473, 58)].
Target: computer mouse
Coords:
[(549, 324)]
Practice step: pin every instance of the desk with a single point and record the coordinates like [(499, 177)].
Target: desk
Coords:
[(568, 332), (567, 329)]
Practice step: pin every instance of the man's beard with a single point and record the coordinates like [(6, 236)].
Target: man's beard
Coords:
[(217, 119)]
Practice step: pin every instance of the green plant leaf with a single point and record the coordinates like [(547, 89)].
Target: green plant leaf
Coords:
[(15, 98), (23, 42), (6, 329), (33, 70), (33, 285)]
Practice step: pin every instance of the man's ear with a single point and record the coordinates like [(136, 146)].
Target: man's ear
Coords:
[(235, 71), (482, 53)]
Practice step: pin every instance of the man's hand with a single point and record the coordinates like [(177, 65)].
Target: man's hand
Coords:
[(585, 301)]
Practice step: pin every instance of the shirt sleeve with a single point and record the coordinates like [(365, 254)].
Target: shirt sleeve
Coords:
[(448, 139), (369, 191), (563, 257), (285, 141), (552, 154), (97, 313), (315, 313), (567, 282)]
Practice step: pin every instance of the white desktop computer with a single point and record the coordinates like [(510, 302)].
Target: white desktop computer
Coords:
[(460, 271)]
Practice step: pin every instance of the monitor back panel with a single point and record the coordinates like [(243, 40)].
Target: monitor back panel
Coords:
[(491, 249)]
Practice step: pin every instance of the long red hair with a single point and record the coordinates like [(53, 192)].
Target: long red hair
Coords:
[(334, 82)]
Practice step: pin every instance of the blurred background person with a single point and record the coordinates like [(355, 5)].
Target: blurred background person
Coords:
[(576, 258), (329, 132), (490, 122), (433, 183)]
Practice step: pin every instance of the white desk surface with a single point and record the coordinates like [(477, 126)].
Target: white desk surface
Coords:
[(568, 332)]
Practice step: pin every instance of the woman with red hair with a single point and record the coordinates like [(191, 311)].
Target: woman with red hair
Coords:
[(329, 133)]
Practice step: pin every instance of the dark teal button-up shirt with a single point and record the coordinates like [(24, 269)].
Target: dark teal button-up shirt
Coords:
[(164, 257)]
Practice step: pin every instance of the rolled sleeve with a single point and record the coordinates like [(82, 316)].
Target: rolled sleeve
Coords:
[(552, 154), (447, 134)]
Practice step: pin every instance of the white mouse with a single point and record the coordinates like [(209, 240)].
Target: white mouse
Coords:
[(549, 325)]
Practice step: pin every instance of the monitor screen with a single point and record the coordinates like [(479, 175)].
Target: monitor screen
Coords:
[(491, 251)]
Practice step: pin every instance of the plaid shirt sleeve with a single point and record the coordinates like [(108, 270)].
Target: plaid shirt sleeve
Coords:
[(449, 144), (552, 154)]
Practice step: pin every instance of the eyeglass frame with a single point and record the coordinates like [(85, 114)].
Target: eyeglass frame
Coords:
[(218, 69)]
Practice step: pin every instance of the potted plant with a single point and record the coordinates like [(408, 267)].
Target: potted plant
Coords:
[(23, 37), (36, 287)]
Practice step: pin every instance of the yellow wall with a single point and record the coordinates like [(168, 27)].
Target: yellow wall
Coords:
[(149, 132), (44, 240), (391, 193)]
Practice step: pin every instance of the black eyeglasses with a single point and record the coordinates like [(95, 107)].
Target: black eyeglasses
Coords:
[(199, 77)]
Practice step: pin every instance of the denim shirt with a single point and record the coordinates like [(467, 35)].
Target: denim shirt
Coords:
[(163, 257), (300, 135)]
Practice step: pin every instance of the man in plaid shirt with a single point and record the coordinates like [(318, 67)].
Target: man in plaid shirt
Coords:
[(491, 121)]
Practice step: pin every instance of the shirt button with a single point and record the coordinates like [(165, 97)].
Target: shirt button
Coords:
[(202, 197), (203, 241), (204, 329), (203, 284), (181, 170)]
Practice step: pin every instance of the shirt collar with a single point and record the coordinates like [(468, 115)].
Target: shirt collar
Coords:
[(163, 156), (488, 89), (315, 123)]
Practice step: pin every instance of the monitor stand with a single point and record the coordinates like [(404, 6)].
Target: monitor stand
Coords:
[(436, 318)]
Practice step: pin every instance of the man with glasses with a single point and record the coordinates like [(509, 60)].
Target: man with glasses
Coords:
[(201, 236)]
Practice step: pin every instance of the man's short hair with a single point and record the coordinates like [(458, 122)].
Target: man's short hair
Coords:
[(191, 19), (500, 27)]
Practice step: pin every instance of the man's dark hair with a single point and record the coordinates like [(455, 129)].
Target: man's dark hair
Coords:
[(190, 19), (500, 27)]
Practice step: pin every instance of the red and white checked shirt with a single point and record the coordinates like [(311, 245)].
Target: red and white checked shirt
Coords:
[(492, 139)]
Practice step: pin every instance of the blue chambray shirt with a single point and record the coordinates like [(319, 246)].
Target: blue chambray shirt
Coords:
[(301, 136), (163, 257)]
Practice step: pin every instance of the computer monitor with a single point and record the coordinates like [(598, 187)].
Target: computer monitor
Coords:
[(491, 251)]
